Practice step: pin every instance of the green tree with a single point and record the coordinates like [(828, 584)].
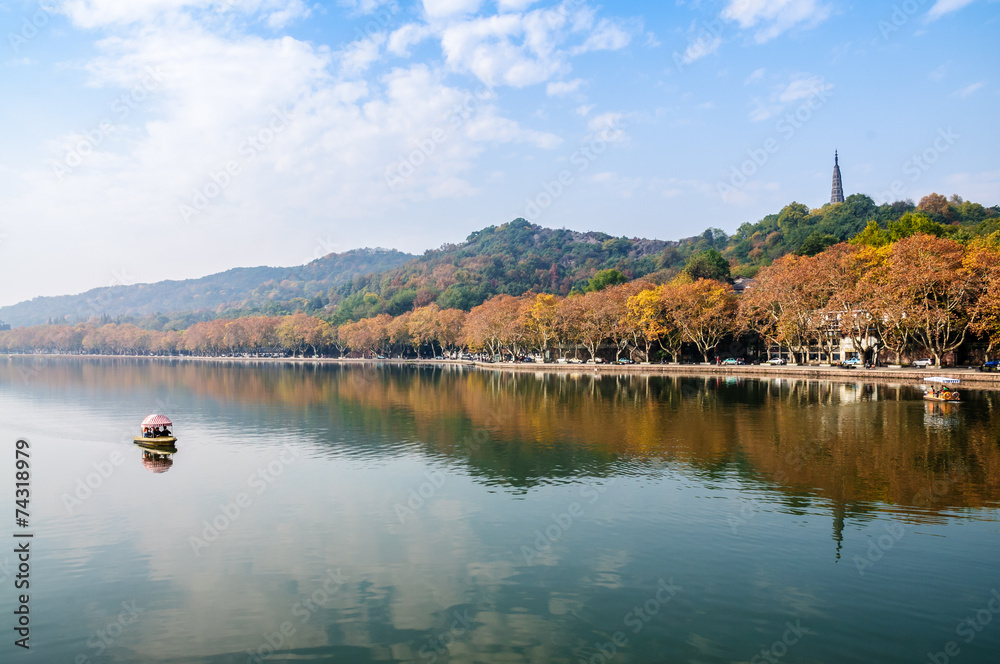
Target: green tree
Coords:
[(708, 264), (604, 279), (816, 243)]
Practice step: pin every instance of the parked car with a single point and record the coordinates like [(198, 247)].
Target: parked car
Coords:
[(992, 365), (926, 362), (777, 360), (852, 362), (625, 360), (731, 361), (575, 360)]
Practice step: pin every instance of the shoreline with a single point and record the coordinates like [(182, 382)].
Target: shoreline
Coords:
[(985, 380)]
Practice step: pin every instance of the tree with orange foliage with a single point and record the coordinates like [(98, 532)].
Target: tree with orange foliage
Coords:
[(368, 335), (293, 331), (566, 321), (497, 325), (449, 329), (704, 312), (983, 259), (928, 277)]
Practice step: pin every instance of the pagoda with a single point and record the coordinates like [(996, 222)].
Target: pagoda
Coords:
[(837, 195)]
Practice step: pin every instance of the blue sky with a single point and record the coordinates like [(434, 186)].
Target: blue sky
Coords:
[(168, 139)]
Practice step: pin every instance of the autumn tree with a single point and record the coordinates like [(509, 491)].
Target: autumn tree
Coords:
[(931, 281), (706, 312)]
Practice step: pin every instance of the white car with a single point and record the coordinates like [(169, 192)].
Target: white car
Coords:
[(777, 360), (926, 362)]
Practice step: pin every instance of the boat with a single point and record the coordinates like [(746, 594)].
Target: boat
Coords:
[(155, 430), (943, 393), (156, 448)]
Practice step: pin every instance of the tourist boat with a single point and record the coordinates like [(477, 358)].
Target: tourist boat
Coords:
[(943, 393), (155, 430)]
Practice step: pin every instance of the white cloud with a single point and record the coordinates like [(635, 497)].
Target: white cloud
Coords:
[(702, 48), (411, 34), (969, 89), (443, 8), (942, 7), (802, 86), (608, 36), (514, 5), (364, 7), (358, 56), (938, 73), (774, 17), (755, 76), (526, 49), (98, 13), (349, 126), (563, 88), (605, 121)]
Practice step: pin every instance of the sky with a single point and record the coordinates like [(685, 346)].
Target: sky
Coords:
[(168, 139)]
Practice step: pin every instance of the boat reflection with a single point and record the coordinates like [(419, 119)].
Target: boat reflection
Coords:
[(157, 458)]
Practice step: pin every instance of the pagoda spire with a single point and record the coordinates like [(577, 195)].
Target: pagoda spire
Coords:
[(837, 194)]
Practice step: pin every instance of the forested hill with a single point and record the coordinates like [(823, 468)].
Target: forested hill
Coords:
[(518, 257), (509, 259), (512, 259), (265, 289)]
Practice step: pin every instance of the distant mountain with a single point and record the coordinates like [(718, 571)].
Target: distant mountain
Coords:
[(512, 259), (239, 288)]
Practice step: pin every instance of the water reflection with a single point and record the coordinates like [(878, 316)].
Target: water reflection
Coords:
[(851, 442), (756, 497), (157, 458)]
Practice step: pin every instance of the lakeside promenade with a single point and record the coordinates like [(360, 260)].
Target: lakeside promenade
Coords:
[(968, 375)]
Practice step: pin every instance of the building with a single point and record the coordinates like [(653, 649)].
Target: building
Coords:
[(837, 194), (4, 326)]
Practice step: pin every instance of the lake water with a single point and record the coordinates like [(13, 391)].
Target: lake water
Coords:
[(325, 513)]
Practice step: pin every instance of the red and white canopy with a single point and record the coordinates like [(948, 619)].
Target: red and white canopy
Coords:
[(157, 421)]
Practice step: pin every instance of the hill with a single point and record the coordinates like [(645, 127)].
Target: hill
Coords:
[(265, 289), (510, 259)]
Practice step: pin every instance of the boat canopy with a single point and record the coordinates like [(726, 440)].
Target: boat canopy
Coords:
[(941, 379), (157, 421)]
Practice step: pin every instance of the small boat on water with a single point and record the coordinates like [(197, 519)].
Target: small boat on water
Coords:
[(939, 389), (155, 430)]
